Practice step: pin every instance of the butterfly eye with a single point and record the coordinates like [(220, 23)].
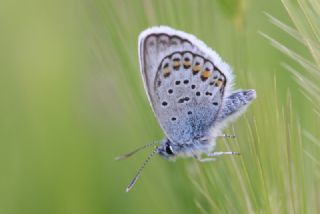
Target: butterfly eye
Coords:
[(169, 149)]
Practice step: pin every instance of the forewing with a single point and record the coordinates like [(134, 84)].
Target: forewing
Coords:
[(186, 82)]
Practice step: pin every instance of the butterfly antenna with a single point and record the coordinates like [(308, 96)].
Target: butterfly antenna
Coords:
[(125, 156), (134, 180)]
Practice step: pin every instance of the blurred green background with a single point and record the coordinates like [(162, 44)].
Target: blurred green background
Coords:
[(72, 99)]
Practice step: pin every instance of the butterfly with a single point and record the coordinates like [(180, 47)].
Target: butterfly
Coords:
[(190, 90)]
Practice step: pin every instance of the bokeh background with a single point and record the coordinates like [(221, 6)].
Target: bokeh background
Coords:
[(72, 99)]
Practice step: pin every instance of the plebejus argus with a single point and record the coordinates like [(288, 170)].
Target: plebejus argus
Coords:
[(190, 90)]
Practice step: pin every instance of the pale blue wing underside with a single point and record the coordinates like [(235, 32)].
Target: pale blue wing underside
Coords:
[(186, 82)]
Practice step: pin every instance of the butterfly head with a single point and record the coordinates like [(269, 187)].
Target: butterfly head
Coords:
[(167, 150)]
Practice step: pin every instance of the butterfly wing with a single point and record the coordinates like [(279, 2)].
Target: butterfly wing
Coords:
[(186, 82)]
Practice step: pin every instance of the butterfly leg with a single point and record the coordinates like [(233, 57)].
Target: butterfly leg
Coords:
[(214, 154), (226, 136), (219, 136), (204, 159)]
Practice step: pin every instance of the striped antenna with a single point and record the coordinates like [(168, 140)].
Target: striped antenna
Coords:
[(134, 180), (127, 155)]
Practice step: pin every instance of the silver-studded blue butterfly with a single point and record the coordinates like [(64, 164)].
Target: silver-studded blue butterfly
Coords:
[(190, 90)]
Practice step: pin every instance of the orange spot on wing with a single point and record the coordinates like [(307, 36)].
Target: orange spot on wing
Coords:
[(218, 83), (196, 69), (221, 81), (166, 72), (205, 74), (186, 64)]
